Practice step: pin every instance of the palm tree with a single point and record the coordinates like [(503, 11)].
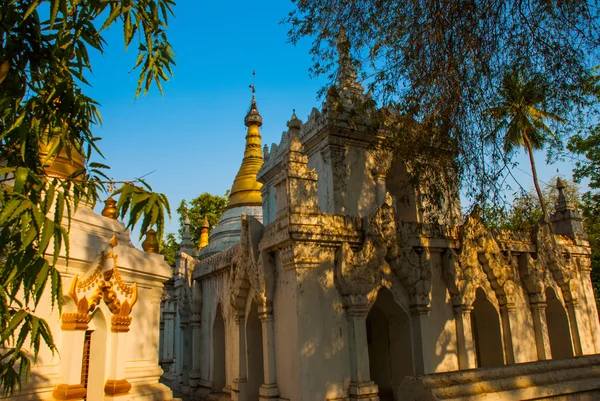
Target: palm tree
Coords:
[(521, 121)]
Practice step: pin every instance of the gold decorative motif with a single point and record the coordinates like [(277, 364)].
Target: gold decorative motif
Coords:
[(75, 321), (69, 392), (117, 387), (120, 324), (106, 285)]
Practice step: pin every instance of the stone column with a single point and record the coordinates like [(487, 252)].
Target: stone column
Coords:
[(421, 340), (195, 323), (540, 327), (74, 326), (588, 290), (464, 337), (361, 386), (116, 386), (574, 319), (508, 318), (166, 359), (184, 325), (238, 387), (269, 389)]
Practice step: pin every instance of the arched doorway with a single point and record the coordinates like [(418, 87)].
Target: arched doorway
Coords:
[(487, 335), (559, 333), (96, 345), (218, 376), (390, 344), (254, 350)]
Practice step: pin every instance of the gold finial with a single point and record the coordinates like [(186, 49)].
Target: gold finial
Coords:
[(110, 209), (150, 244), (204, 234), (245, 190)]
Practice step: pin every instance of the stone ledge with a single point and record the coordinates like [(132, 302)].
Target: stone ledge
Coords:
[(514, 382)]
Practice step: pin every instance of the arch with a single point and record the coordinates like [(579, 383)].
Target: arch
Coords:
[(559, 332), (218, 371), (390, 344), (487, 334), (98, 343), (254, 349)]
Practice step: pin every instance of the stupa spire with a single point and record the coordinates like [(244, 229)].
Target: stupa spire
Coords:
[(245, 190)]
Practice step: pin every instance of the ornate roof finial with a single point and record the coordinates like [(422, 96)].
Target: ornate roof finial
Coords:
[(561, 203), (294, 122), (204, 234), (347, 75), (253, 117)]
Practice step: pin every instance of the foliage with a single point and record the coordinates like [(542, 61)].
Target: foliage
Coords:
[(588, 168), (440, 63), (168, 248), (205, 204), (44, 115), (525, 211), (521, 120)]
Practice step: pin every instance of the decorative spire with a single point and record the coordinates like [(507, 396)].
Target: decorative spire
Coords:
[(253, 117), (204, 234), (347, 75), (186, 239), (245, 190), (294, 122), (561, 204)]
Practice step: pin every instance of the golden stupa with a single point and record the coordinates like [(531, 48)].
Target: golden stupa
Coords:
[(245, 190)]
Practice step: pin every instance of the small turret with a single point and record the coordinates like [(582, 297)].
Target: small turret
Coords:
[(186, 239), (565, 220)]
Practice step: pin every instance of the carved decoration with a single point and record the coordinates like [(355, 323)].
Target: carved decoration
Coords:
[(104, 284), (413, 267), (461, 267), (550, 254), (359, 273)]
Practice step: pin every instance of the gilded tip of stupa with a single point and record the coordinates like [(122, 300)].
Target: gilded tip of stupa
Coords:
[(253, 117), (205, 223)]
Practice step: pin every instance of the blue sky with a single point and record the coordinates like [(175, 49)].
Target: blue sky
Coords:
[(193, 136)]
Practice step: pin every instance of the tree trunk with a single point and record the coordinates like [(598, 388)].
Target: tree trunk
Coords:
[(535, 178)]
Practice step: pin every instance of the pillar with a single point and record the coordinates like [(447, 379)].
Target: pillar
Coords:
[(540, 327), (574, 320), (238, 387), (361, 386), (166, 359), (74, 326), (184, 325), (116, 386), (508, 319), (590, 302), (195, 324), (269, 389), (421, 340), (464, 337)]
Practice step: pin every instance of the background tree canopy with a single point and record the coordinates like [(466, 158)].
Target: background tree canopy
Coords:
[(44, 113), (205, 204), (440, 64)]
